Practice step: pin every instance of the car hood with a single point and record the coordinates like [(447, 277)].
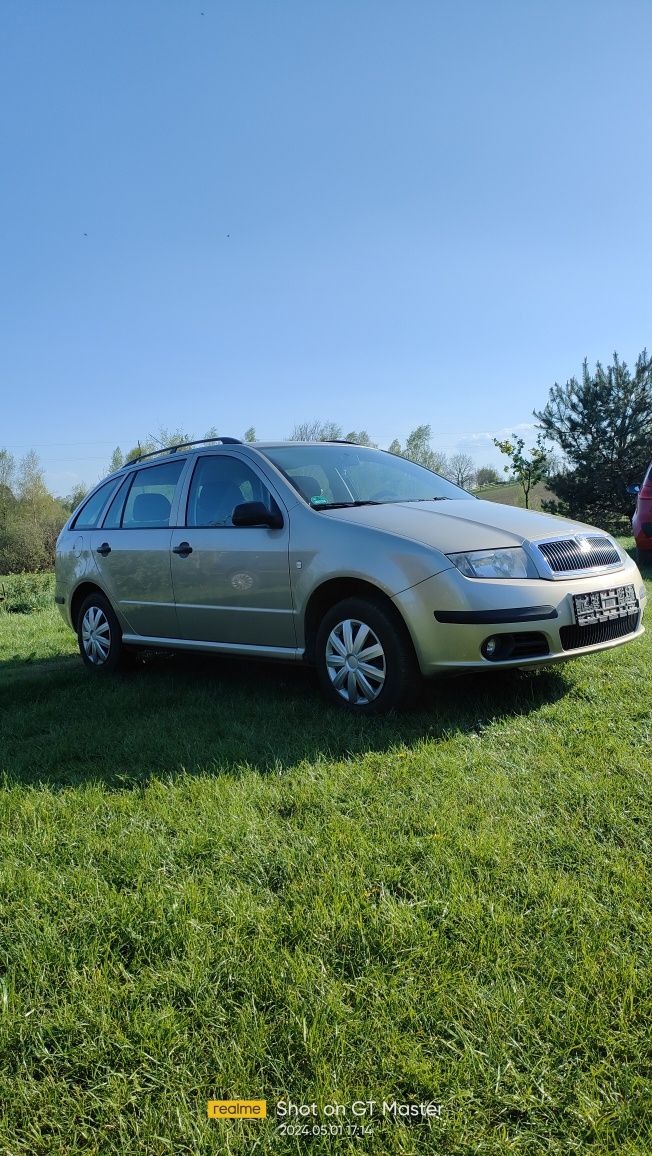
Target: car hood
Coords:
[(456, 525)]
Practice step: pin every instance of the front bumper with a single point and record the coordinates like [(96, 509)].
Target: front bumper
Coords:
[(450, 617)]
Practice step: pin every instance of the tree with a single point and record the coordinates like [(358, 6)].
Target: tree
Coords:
[(487, 476), (461, 469), (361, 439), (316, 431), (30, 484), (527, 470), (602, 425), (161, 441), (76, 495), (30, 517), (250, 435), (7, 469), (7, 496), (117, 460), (418, 449)]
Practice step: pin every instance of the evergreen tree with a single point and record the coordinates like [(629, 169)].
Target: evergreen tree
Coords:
[(117, 460), (603, 426)]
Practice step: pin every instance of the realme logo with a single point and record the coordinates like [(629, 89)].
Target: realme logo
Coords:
[(237, 1109)]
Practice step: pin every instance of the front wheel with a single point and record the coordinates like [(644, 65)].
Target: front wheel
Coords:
[(99, 635), (365, 658), (643, 558)]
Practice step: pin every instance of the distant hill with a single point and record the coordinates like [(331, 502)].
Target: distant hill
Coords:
[(511, 494)]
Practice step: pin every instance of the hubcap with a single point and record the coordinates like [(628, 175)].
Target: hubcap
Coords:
[(96, 635), (355, 661)]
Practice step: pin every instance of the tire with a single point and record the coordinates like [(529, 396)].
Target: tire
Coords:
[(99, 635), (643, 558), (390, 676)]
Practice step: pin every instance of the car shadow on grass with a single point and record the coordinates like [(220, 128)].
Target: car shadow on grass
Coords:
[(194, 714)]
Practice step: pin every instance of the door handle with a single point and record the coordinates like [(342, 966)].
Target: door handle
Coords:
[(104, 549), (183, 549)]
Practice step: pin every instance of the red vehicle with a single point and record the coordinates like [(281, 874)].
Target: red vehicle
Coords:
[(642, 520)]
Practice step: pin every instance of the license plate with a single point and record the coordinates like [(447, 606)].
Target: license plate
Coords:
[(603, 605)]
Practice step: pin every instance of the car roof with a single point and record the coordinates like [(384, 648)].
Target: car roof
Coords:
[(157, 457)]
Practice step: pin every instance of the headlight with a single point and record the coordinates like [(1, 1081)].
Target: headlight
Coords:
[(511, 562)]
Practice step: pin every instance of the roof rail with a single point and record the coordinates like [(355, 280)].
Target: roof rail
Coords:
[(184, 445)]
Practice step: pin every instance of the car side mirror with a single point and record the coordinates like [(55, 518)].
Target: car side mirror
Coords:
[(633, 489), (256, 514)]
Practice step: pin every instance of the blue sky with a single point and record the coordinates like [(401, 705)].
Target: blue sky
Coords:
[(257, 212)]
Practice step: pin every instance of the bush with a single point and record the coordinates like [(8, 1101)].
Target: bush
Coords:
[(24, 593), (28, 536)]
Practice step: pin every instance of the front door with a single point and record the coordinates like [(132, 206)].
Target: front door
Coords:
[(231, 583)]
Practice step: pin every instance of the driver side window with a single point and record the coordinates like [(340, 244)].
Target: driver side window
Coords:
[(219, 484)]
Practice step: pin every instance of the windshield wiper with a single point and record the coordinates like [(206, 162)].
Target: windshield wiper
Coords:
[(343, 505), (442, 499)]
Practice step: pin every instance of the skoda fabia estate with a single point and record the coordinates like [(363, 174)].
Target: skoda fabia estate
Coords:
[(371, 568)]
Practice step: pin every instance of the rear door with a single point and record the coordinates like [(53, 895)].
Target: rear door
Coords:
[(132, 549), (231, 583)]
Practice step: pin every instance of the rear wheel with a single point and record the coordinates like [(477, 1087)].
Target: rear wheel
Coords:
[(99, 635), (365, 658)]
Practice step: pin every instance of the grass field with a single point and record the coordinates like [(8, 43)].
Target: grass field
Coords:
[(214, 886), (511, 494)]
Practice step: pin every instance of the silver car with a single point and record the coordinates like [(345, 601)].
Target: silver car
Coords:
[(371, 568)]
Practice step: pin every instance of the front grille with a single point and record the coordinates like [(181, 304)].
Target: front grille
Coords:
[(583, 553), (573, 637)]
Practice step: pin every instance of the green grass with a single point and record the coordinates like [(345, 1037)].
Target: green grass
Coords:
[(214, 885)]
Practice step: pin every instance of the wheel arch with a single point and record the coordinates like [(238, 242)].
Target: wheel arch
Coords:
[(81, 592), (336, 590)]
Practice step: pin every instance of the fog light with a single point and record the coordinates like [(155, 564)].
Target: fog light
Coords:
[(489, 647)]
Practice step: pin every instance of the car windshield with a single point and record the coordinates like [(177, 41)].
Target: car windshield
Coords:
[(326, 474)]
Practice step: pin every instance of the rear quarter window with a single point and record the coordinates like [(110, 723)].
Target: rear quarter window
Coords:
[(113, 516), (89, 515)]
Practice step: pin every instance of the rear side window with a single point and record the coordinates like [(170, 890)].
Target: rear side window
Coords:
[(219, 484), (89, 514), (149, 503)]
